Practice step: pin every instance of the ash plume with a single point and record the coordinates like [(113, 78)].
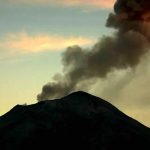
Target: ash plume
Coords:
[(125, 48)]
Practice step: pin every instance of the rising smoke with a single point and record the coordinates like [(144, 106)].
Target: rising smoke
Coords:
[(124, 49)]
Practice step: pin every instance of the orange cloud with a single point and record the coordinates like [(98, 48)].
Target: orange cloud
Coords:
[(95, 3), (25, 43)]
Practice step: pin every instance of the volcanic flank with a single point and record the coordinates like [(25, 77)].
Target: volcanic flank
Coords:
[(77, 121)]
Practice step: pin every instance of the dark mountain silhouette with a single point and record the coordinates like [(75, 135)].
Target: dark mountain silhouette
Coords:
[(77, 121)]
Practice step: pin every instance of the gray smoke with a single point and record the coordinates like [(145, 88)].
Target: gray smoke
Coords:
[(124, 49)]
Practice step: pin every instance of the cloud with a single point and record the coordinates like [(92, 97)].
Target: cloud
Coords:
[(91, 3), (122, 50), (25, 43), (95, 3)]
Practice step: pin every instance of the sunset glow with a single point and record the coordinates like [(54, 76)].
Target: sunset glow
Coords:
[(24, 43)]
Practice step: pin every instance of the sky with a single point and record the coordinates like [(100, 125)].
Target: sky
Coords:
[(35, 33)]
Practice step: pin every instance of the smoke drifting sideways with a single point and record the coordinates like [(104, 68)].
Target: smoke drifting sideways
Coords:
[(124, 49)]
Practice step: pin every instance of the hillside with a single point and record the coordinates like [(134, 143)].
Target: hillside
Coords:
[(77, 121)]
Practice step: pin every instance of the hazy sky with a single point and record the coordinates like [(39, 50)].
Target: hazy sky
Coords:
[(34, 33)]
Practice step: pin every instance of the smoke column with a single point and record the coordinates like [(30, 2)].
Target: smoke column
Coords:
[(131, 19)]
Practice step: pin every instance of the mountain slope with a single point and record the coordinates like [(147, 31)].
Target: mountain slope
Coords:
[(77, 121)]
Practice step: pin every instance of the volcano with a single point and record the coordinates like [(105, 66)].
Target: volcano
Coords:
[(77, 121)]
